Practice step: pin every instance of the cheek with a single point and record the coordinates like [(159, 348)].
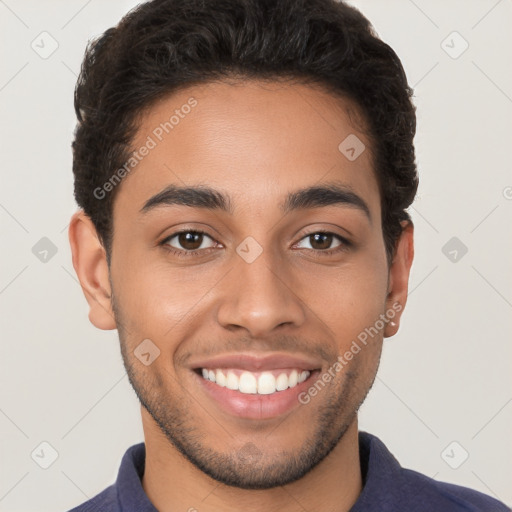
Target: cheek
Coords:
[(132, 290), (353, 298), (156, 298)]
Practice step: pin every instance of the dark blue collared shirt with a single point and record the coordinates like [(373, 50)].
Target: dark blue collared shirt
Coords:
[(387, 487)]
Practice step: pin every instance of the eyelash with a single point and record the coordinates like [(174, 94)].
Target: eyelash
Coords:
[(345, 244)]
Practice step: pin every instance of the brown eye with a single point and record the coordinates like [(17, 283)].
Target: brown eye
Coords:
[(190, 240), (187, 240), (322, 241)]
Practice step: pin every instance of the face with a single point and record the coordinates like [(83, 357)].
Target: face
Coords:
[(272, 262)]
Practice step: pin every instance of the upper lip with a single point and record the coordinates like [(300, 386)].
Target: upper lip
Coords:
[(254, 363)]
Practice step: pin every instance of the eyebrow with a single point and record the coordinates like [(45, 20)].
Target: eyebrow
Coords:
[(205, 197)]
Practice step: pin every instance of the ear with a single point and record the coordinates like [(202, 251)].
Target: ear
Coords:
[(399, 277), (90, 264)]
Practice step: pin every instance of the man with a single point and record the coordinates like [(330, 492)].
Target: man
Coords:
[(243, 169)]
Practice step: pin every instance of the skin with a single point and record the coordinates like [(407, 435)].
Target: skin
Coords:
[(277, 138)]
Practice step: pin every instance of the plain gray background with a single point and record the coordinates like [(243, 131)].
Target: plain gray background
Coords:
[(443, 390)]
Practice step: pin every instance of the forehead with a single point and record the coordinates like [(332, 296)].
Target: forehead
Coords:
[(254, 139)]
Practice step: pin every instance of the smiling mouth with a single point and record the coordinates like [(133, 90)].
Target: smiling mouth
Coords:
[(255, 383)]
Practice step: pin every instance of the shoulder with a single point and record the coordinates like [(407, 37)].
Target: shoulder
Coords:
[(422, 492), (127, 492), (389, 487), (105, 501)]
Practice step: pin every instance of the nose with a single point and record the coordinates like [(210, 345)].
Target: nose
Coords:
[(260, 297)]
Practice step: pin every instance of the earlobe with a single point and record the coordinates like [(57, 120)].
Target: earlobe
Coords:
[(90, 264), (399, 277)]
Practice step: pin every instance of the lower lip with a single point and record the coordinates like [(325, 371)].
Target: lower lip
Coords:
[(254, 406)]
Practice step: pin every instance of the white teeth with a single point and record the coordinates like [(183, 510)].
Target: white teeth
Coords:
[(303, 376), (232, 381), (282, 382), (248, 383), (266, 384), (220, 378)]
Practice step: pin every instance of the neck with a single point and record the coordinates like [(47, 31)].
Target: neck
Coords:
[(171, 482)]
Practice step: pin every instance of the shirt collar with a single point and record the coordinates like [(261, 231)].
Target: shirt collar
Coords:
[(379, 470), (130, 494)]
